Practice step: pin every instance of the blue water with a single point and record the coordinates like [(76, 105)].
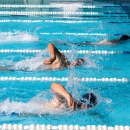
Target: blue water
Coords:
[(15, 96)]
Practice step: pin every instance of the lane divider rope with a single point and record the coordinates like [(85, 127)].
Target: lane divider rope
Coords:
[(58, 6), (61, 21), (104, 52), (75, 34), (67, 33), (60, 127), (51, 21), (46, 13), (46, 6), (64, 79)]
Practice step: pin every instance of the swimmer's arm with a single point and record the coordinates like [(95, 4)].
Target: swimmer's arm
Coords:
[(54, 52), (60, 90)]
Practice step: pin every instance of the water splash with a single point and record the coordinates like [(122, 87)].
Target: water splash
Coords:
[(12, 107), (37, 28), (73, 85), (36, 106), (107, 100), (73, 54), (29, 64), (89, 63), (43, 97), (17, 36), (35, 63)]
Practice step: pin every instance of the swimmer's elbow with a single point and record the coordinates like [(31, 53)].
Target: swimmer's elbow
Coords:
[(57, 88), (53, 85), (50, 45)]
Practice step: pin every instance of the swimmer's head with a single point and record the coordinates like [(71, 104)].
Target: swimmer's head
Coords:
[(88, 100), (124, 37), (77, 62)]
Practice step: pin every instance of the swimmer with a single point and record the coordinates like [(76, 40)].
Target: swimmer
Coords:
[(59, 60), (63, 99), (115, 41), (56, 61), (103, 42)]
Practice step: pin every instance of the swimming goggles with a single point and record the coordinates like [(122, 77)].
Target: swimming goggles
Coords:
[(85, 101)]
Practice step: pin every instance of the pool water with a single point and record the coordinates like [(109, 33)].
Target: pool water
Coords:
[(19, 99)]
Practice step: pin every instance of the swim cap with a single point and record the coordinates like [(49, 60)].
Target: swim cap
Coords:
[(90, 99), (124, 37)]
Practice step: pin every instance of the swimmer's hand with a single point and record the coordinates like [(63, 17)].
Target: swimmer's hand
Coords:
[(71, 101), (49, 61), (59, 91)]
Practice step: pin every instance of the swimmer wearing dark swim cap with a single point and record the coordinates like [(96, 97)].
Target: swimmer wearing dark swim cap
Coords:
[(63, 99), (88, 100), (124, 37)]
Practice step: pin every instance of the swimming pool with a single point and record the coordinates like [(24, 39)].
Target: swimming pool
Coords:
[(23, 45)]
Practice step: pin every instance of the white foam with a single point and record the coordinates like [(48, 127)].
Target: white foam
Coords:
[(8, 107), (107, 100), (35, 63), (90, 63), (17, 36), (32, 64), (29, 64), (36, 106)]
